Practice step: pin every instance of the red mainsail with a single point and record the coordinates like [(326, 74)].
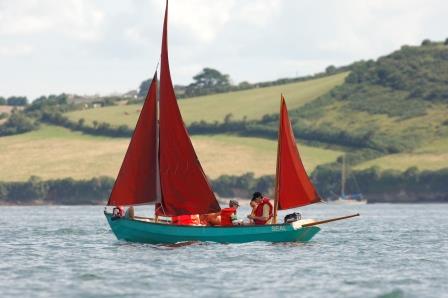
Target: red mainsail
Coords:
[(138, 177), (185, 189), (293, 187)]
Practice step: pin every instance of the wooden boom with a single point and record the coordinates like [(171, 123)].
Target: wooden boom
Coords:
[(329, 220)]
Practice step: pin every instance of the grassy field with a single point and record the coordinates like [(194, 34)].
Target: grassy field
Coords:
[(418, 130), (55, 152), (432, 156), (252, 103)]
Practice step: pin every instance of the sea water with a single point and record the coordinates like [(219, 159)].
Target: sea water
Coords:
[(389, 251)]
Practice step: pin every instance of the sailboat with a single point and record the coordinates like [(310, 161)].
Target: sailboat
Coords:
[(351, 198), (161, 168)]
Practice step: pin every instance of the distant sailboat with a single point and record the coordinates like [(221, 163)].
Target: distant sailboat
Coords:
[(356, 198), (161, 168)]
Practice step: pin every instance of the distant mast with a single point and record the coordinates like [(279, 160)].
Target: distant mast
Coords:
[(343, 177)]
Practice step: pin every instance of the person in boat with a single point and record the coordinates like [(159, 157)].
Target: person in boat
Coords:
[(264, 210), (253, 204), (210, 219), (228, 215), (117, 212), (130, 212)]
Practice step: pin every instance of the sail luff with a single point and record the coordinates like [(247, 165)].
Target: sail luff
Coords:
[(184, 186), (136, 181), (294, 186)]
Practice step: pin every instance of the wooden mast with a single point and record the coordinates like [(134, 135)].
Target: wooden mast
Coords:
[(277, 171)]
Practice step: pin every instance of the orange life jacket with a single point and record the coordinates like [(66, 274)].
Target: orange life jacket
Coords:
[(226, 216), (259, 211), (185, 220)]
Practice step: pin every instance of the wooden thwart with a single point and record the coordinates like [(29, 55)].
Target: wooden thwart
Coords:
[(329, 220)]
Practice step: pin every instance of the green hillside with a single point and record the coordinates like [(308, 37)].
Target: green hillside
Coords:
[(395, 104), (253, 103), (396, 107), (55, 152), (433, 156)]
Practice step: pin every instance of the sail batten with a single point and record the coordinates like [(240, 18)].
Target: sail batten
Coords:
[(293, 186), (184, 186), (137, 181)]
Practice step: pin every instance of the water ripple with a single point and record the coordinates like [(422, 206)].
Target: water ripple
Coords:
[(390, 251)]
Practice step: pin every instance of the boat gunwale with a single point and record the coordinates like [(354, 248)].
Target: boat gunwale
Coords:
[(197, 226)]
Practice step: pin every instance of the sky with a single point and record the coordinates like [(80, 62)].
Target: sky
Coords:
[(110, 46)]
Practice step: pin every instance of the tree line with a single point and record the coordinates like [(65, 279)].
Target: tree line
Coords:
[(377, 186), (211, 81), (14, 101)]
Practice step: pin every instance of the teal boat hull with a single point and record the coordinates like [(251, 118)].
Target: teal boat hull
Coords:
[(156, 233)]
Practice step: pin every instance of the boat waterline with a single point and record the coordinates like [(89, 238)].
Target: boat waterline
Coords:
[(155, 233)]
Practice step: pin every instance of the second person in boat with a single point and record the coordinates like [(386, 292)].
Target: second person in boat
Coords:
[(263, 212), (228, 215)]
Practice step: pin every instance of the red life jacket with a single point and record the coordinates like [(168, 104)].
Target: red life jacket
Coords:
[(185, 220), (259, 211), (226, 216)]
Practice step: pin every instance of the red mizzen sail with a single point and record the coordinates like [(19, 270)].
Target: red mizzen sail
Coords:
[(293, 187), (138, 177), (185, 189)]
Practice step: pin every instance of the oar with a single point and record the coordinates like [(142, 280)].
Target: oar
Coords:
[(329, 220)]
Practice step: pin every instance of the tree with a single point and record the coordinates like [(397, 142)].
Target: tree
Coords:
[(17, 123), (2, 101), (426, 42), (446, 42), (330, 69), (81, 122), (144, 87), (208, 81), (17, 101)]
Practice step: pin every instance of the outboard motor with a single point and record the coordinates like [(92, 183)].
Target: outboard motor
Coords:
[(293, 217)]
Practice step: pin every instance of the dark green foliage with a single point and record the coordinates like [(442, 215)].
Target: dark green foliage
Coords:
[(376, 185), (331, 70), (2, 101), (49, 103), (245, 185), (102, 129), (208, 81), (421, 72), (62, 191), (17, 101), (425, 186), (144, 87), (17, 123), (426, 42)]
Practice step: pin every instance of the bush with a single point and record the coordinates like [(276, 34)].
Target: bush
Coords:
[(17, 123)]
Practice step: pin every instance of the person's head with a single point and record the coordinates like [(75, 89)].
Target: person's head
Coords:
[(257, 197), (233, 204), (253, 203)]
